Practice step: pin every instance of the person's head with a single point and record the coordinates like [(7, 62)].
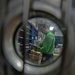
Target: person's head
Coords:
[(44, 27)]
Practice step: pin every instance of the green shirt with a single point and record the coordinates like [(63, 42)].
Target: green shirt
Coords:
[(47, 46)]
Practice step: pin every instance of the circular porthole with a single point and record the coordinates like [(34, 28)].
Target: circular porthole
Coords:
[(13, 39), (54, 28)]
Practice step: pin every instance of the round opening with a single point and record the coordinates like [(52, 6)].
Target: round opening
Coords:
[(41, 29)]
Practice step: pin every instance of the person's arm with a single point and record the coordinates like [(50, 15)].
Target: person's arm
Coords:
[(46, 44), (40, 45)]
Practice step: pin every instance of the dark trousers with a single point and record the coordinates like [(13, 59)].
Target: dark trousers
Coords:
[(47, 57)]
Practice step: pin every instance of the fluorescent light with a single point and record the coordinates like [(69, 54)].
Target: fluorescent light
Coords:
[(51, 28)]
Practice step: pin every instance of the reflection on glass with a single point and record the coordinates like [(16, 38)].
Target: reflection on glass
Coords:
[(44, 41)]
